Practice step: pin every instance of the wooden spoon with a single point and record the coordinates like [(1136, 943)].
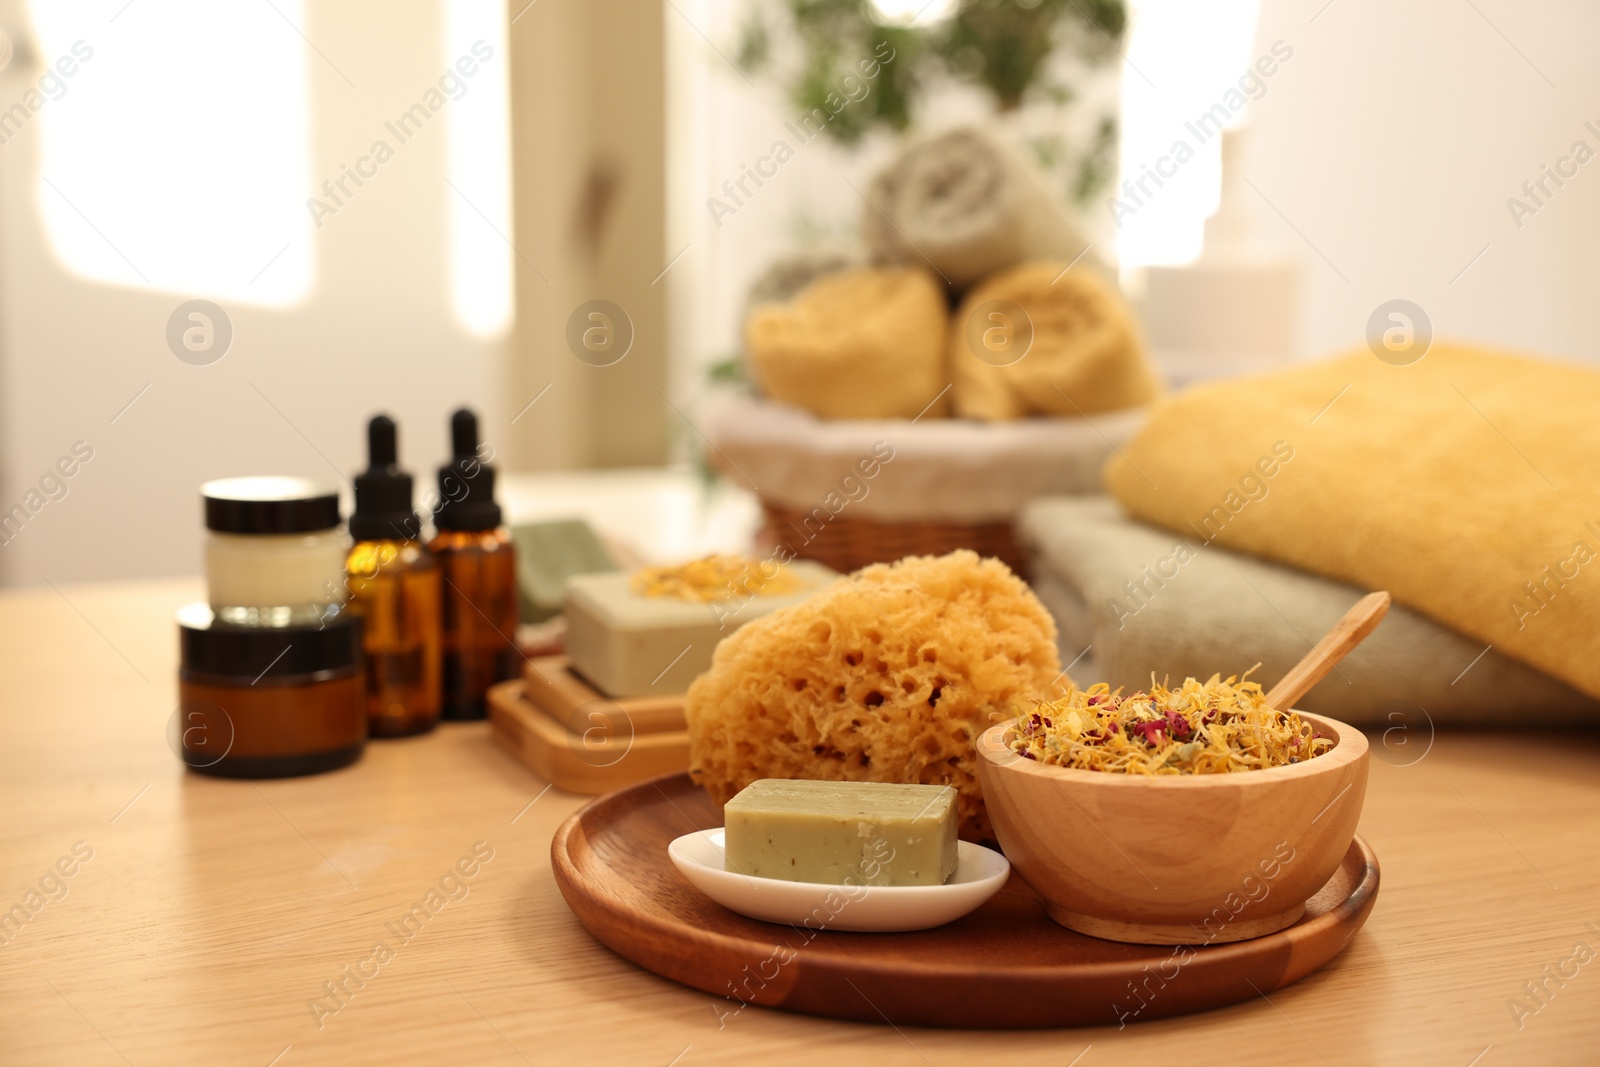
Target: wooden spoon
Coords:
[(1335, 645)]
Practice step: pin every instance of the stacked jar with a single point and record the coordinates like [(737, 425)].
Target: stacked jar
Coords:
[(270, 680), (313, 640)]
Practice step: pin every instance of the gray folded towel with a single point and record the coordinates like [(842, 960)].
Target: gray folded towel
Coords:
[(1143, 600), (967, 204)]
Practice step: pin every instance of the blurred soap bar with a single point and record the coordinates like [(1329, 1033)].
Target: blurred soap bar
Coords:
[(548, 553), (631, 645), (842, 833)]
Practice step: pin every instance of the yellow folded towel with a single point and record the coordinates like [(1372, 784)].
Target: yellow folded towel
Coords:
[(1467, 484), (1085, 353), (859, 344), (788, 274)]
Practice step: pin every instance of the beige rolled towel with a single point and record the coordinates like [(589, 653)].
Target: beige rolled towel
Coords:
[(787, 275), (859, 344), (1039, 339), (967, 204)]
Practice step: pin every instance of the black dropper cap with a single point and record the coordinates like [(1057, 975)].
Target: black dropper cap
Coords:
[(466, 485), (383, 491)]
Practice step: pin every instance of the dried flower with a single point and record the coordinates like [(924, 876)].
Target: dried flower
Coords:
[(1216, 727)]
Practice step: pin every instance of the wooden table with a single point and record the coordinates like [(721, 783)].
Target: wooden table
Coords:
[(213, 912)]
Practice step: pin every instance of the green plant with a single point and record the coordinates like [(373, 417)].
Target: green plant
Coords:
[(1000, 46), (1003, 44), (730, 370)]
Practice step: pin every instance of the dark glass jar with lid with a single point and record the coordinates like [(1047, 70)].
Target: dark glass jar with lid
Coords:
[(269, 702)]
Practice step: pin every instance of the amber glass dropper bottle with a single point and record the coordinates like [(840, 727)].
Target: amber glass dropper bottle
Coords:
[(394, 585), (480, 576)]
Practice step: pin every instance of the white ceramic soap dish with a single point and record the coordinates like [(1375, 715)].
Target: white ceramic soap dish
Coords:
[(980, 872)]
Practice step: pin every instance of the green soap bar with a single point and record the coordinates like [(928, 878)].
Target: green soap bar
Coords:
[(843, 833), (548, 553)]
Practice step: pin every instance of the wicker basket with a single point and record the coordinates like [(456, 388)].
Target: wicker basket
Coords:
[(848, 493), (846, 544)]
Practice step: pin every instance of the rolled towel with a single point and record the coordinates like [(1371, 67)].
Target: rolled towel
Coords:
[(787, 275), (1141, 599), (967, 205), (859, 344), (1040, 339)]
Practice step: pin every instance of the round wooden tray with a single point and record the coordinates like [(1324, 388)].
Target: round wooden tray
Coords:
[(1007, 965)]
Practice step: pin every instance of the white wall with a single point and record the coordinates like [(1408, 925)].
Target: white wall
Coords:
[(1392, 141), (377, 330)]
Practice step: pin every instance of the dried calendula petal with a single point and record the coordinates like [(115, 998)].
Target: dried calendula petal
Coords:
[(1215, 727), (715, 578)]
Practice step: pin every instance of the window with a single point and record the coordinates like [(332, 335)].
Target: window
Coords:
[(1182, 58), (175, 153), (479, 168)]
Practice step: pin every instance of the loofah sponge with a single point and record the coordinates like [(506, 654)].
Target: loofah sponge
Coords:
[(886, 676), (1086, 354), (859, 344)]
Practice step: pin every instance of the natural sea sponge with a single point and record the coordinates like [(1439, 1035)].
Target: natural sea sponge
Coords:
[(888, 675), (1086, 353), (859, 344)]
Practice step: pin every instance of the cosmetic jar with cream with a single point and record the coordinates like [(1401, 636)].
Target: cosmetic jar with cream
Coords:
[(274, 550)]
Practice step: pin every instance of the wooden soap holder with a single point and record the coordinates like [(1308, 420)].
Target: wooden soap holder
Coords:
[(580, 740)]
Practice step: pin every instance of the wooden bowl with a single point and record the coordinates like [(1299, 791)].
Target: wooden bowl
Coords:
[(1177, 859)]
